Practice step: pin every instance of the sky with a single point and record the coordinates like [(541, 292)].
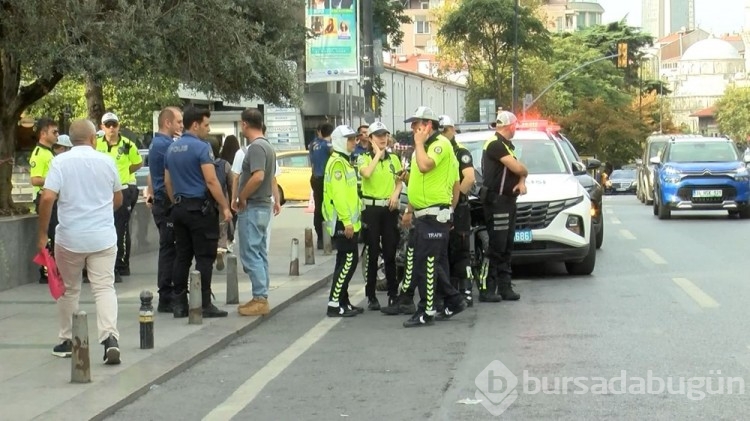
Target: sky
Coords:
[(716, 16)]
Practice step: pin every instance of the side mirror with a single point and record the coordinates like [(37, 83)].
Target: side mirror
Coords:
[(593, 164), (655, 160), (746, 158), (638, 161), (578, 168)]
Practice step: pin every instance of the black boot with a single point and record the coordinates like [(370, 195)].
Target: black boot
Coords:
[(406, 304), (180, 305), (466, 285), (505, 289), (393, 307), (373, 304), (488, 294), (165, 303), (210, 311)]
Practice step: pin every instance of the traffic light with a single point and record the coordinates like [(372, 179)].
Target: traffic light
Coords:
[(622, 55)]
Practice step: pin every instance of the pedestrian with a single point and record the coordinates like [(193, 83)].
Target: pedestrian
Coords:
[(459, 256), (433, 192), (254, 207), (363, 143), (224, 175), (341, 211), (192, 186), (320, 150), (381, 190), (63, 144), (40, 160), (87, 187), (228, 152), (170, 123), (504, 179), (128, 161)]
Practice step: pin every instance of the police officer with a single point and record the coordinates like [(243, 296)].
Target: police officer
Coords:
[(127, 161), (433, 191), (191, 183), (459, 258), (170, 123), (320, 150), (504, 180), (381, 189), (41, 157), (341, 210)]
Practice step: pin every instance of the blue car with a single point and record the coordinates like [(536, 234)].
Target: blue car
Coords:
[(704, 173)]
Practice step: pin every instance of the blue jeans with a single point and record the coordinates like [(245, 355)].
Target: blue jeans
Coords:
[(252, 230)]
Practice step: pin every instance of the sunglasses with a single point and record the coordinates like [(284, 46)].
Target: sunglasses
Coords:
[(110, 124)]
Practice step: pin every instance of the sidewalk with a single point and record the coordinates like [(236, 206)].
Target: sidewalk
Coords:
[(35, 384)]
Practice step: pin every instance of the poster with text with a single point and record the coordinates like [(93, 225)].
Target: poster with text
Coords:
[(332, 55)]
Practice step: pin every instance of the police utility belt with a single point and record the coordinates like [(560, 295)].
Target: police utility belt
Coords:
[(441, 213), (374, 202)]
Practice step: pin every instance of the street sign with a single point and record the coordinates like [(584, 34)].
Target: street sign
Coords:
[(487, 109)]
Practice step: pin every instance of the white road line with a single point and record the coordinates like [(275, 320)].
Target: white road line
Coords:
[(653, 256), (627, 235), (247, 392), (704, 300), (615, 220)]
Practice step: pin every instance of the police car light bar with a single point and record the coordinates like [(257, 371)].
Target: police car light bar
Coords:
[(542, 125)]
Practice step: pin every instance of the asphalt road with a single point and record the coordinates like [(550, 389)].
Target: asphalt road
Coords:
[(660, 331)]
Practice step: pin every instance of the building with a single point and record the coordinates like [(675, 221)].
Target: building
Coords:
[(663, 17), (570, 15), (418, 51)]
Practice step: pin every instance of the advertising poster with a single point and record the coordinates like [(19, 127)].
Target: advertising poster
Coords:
[(333, 54)]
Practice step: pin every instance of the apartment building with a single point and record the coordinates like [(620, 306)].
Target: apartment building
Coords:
[(663, 17), (570, 15)]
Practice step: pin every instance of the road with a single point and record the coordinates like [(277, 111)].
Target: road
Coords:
[(668, 300)]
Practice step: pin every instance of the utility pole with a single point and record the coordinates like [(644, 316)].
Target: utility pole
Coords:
[(515, 60), (367, 53)]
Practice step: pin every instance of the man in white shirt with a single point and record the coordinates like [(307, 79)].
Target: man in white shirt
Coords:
[(87, 188)]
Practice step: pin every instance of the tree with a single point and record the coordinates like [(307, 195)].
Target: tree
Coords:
[(733, 113), (481, 34), (229, 48), (388, 16)]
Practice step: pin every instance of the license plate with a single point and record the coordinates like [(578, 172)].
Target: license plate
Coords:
[(706, 193), (522, 236)]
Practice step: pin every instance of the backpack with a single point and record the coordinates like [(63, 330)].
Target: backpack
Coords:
[(221, 173)]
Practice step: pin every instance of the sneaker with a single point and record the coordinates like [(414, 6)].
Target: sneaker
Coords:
[(211, 311), (43, 279), (111, 351), (64, 349), (220, 259), (393, 308), (257, 307), (118, 278), (340, 312), (419, 319), (352, 307), (373, 304), (247, 304)]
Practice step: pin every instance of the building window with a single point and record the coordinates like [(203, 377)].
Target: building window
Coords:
[(560, 24), (424, 4), (422, 27)]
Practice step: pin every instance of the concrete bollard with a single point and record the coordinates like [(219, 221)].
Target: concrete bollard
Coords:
[(233, 289), (146, 320), (327, 249), (294, 264), (309, 247), (80, 365), (195, 314)]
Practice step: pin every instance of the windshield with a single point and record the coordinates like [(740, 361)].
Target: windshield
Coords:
[(540, 156), (655, 148), (622, 175), (702, 152)]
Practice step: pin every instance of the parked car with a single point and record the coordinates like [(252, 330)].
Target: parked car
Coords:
[(295, 171), (621, 181)]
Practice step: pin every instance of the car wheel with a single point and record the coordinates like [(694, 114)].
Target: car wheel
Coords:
[(656, 207), (586, 266), (663, 210), (744, 212), (282, 199), (600, 234)]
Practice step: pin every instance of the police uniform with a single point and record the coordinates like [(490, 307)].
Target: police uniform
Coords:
[(40, 160), (381, 221), (431, 195), (125, 153), (196, 221), (500, 216), (161, 211), (342, 208), (320, 150)]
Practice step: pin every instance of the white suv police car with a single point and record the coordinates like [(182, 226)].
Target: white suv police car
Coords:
[(553, 221)]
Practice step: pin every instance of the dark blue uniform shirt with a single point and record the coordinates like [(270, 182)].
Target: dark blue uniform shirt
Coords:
[(156, 155), (183, 161), (358, 150), (320, 150)]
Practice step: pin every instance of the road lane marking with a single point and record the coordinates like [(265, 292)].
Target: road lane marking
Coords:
[(653, 256), (249, 390), (627, 235), (704, 300), (615, 220)]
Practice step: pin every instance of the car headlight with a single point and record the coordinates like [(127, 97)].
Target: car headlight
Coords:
[(672, 175)]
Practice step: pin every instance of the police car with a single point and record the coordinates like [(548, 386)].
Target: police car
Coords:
[(554, 219)]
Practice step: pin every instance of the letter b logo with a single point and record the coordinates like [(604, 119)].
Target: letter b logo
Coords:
[(496, 388)]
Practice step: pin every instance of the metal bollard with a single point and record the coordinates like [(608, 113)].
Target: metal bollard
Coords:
[(327, 249), (233, 289), (80, 365), (146, 320), (309, 247), (195, 314), (294, 264)]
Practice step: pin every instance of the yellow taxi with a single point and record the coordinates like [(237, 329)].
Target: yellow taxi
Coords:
[(295, 171)]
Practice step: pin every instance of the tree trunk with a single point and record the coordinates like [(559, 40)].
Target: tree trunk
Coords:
[(94, 100), (7, 147)]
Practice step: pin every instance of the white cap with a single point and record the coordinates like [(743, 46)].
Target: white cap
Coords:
[(445, 121), (505, 118), (422, 113), (107, 117), (339, 136), (64, 140), (377, 128)]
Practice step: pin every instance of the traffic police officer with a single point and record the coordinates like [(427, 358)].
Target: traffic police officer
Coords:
[(127, 161), (504, 180), (341, 210), (41, 157), (433, 188), (459, 258), (320, 150), (381, 190), (192, 185)]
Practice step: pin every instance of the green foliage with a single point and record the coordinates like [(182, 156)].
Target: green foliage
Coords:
[(387, 17), (733, 113)]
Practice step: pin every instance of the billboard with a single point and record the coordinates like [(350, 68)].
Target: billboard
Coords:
[(333, 54)]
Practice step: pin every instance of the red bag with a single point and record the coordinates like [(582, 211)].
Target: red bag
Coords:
[(55, 281)]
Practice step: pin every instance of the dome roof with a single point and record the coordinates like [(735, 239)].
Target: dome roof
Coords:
[(711, 49)]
